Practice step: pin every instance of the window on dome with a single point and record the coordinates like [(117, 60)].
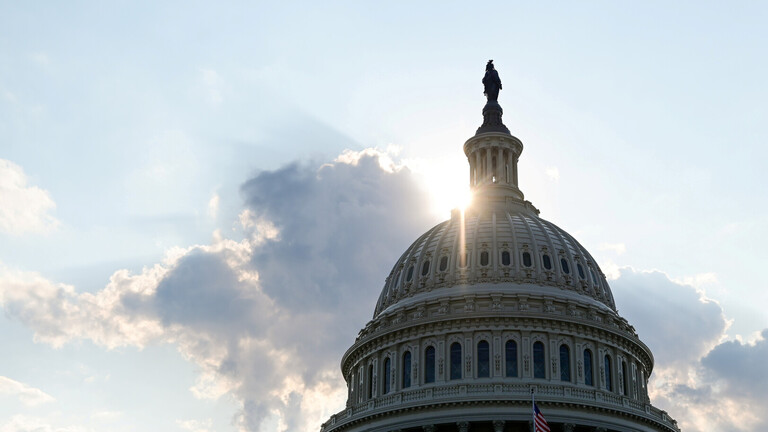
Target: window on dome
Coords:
[(527, 259), (483, 360), (429, 368), (564, 266), (608, 383), (594, 279), (444, 263), (464, 260), (409, 275), (510, 351), (484, 258), (547, 262), (425, 268), (455, 361), (581, 270), (637, 381), (406, 369), (588, 373), (387, 376), (565, 363), (370, 381), (539, 367), (624, 377), (506, 259)]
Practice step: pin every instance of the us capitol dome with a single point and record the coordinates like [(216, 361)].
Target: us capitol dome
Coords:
[(489, 307)]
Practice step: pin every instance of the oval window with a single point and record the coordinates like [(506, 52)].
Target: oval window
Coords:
[(527, 259), (564, 265), (483, 258), (425, 268), (547, 262), (581, 270), (409, 276), (443, 263), (594, 279), (505, 258)]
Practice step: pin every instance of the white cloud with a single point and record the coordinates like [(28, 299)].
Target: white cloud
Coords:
[(553, 173), (617, 248), (213, 206), (267, 318), (28, 395), (704, 383), (195, 425), (23, 423), (23, 208)]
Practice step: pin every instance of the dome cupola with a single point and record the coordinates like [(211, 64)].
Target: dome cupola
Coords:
[(489, 307)]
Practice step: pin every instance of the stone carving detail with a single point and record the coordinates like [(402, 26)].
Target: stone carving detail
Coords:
[(572, 310), (568, 427), (523, 306), (440, 367), (526, 362), (548, 306), (419, 312), (416, 371), (463, 426), (498, 426), (429, 428), (470, 304), (496, 303), (497, 362), (580, 368), (443, 307), (554, 365), (602, 375), (468, 361)]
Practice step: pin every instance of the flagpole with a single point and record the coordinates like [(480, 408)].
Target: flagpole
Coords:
[(533, 409)]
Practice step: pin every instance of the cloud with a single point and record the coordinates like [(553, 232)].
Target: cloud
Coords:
[(28, 395), (266, 318), (23, 208), (617, 248), (22, 423), (705, 383), (553, 173)]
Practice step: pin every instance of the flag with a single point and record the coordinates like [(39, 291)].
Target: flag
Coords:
[(540, 424)]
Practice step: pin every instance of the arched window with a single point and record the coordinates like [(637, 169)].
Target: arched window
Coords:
[(443, 263), (484, 259), (409, 275), (539, 367), (547, 262), (387, 376), (624, 377), (425, 268), (429, 365), (510, 351), (455, 361), (588, 373), (506, 259), (581, 270), (565, 363), (406, 369), (564, 266), (483, 360), (527, 259), (608, 384), (370, 381)]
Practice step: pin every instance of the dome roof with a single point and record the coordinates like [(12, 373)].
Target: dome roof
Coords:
[(504, 249)]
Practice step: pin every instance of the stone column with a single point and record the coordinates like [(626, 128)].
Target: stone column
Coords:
[(500, 165), (478, 168), (488, 166)]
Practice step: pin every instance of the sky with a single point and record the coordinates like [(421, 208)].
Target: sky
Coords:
[(199, 202)]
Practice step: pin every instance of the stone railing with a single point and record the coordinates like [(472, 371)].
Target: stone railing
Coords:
[(499, 391)]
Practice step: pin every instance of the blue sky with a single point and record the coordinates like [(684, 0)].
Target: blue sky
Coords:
[(166, 168)]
